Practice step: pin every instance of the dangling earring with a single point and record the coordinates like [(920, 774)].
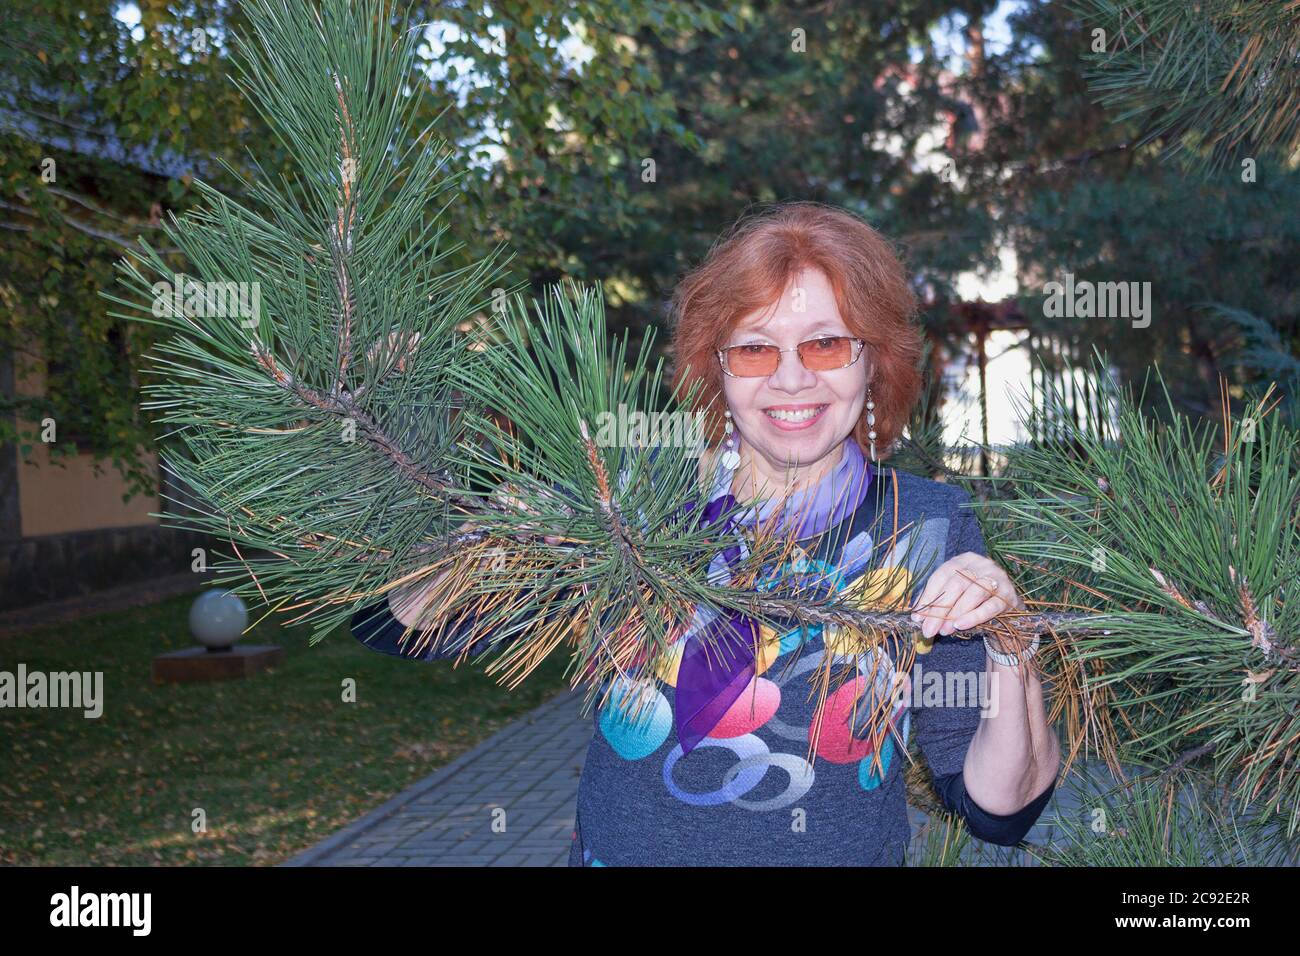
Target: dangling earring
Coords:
[(730, 457), (871, 423)]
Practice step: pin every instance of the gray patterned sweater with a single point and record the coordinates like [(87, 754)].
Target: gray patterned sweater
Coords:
[(747, 794)]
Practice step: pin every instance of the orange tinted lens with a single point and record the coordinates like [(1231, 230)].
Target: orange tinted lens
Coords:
[(752, 359), (824, 354)]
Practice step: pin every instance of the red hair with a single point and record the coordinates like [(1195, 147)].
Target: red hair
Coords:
[(749, 270)]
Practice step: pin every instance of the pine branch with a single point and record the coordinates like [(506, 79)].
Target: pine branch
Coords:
[(1216, 80)]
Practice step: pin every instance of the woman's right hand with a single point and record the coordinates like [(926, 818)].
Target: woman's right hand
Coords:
[(408, 601), (507, 494)]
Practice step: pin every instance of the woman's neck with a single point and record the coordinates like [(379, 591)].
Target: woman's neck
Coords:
[(756, 478)]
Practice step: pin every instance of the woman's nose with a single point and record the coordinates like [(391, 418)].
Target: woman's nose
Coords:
[(790, 374)]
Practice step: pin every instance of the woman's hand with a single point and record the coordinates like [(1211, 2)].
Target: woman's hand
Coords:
[(507, 494), (408, 601), (963, 592)]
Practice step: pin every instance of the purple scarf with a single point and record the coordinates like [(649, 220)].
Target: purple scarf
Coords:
[(713, 673)]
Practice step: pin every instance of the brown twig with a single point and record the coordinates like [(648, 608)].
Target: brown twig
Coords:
[(1186, 757), (343, 405), (341, 241)]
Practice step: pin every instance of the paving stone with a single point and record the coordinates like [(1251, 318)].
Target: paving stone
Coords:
[(532, 773)]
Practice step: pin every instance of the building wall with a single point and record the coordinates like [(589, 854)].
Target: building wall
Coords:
[(73, 493), (77, 495), (65, 530)]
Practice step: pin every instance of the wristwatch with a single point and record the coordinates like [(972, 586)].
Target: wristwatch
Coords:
[(1012, 660)]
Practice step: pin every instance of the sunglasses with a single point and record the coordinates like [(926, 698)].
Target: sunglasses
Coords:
[(822, 354)]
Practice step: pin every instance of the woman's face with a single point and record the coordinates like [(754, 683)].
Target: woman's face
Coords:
[(795, 417)]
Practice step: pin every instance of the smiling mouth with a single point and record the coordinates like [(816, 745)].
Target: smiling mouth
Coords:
[(799, 414)]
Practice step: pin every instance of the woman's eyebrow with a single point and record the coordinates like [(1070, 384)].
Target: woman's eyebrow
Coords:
[(818, 332), (745, 336)]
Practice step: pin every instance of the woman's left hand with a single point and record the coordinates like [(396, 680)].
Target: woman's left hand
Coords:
[(963, 592)]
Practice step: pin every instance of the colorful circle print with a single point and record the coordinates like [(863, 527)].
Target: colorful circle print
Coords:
[(636, 720)]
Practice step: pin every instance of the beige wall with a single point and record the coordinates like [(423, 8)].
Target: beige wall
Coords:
[(70, 495), (54, 499)]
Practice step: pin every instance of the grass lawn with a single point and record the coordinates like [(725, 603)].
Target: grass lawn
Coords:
[(277, 762)]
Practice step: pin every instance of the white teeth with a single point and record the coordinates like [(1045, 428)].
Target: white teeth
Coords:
[(800, 416)]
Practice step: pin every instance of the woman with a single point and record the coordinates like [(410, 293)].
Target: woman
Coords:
[(800, 325)]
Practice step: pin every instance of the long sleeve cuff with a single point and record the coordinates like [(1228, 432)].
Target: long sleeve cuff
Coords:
[(1005, 830), (377, 628)]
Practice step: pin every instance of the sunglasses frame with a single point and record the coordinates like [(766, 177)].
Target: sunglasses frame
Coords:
[(722, 358)]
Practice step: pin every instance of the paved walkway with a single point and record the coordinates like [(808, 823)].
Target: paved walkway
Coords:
[(507, 802)]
